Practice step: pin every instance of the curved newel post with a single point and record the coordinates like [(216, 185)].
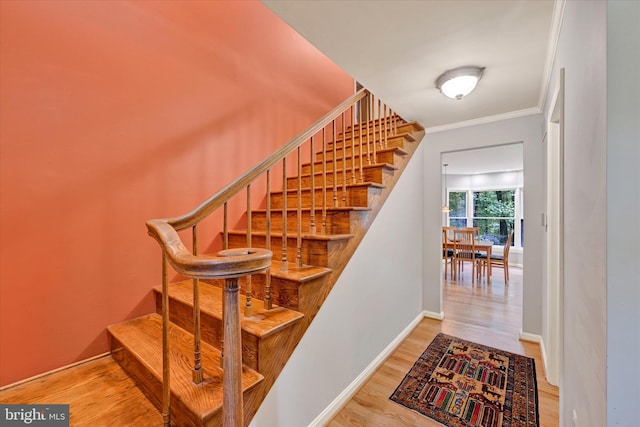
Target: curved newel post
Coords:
[(232, 397), (232, 401)]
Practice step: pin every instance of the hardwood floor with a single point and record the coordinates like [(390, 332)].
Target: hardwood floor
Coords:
[(489, 315), (101, 394)]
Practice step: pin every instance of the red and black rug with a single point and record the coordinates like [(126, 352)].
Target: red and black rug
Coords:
[(461, 383)]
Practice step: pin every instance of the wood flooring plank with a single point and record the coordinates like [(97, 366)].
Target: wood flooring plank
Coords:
[(485, 314), (99, 393)]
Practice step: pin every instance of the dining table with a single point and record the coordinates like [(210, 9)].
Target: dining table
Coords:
[(479, 245)]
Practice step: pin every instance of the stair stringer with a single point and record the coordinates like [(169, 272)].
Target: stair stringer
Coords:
[(294, 395)]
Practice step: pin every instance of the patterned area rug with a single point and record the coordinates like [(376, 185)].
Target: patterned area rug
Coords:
[(461, 383)]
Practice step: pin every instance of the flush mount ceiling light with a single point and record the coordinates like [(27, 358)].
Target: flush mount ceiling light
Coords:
[(459, 82)]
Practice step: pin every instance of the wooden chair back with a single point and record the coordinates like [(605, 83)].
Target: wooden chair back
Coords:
[(507, 246), (466, 245), (476, 232), (465, 249)]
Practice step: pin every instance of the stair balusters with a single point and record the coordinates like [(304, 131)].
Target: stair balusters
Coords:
[(344, 162), (368, 118), (299, 212), (324, 180), (166, 367), (335, 168), (312, 156), (267, 286), (386, 127), (248, 308), (197, 364), (361, 151), (353, 144), (283, 265), (380, 138)]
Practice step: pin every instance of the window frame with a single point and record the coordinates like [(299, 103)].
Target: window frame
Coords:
[(518, 217)]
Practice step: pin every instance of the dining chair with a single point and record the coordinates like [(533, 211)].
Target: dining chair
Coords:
[(476, 232), (498, 260), (465, 250), (448, 253)]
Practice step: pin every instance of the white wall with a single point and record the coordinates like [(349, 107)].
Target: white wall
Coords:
[(378, 294), (582, 52), (623, 211), (483, 181), (527, 130)]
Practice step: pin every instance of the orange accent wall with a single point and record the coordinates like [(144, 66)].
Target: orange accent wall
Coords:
[(116, 112)]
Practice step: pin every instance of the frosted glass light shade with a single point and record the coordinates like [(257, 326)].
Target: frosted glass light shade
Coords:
[(459, 82)]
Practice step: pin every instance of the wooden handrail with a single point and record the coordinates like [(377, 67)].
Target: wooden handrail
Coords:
[(206, 266)]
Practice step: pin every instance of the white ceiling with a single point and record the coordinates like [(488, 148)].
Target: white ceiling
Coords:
[(397, 49)]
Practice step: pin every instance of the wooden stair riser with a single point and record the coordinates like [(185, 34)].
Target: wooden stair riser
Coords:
[(284, 293), (399, 141), (338, 221), (211, 329), (376, 173), (388, 156), (354, 196), (314, 252)]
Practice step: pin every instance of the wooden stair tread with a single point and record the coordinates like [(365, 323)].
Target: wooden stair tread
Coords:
[(318, 209), (262, 324), (294, 273), (406, 135), (292, 235), (303, 274), (142, 337), (329, 188), (387, 166), (400, 124), (395, 150), (382, 165)]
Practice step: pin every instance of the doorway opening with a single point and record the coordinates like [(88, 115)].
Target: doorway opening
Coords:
[(485, 189)]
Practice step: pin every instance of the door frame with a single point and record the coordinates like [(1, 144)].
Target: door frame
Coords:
[(553, 354)]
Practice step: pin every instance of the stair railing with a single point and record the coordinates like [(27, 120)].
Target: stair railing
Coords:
[(357, 112)]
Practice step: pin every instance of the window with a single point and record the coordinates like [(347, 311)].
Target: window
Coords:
[(458, 209), (494, 213)]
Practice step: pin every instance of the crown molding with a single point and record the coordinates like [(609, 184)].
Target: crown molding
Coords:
[(484, 120), (552, 47)]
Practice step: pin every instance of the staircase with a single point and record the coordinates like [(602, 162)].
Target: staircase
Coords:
[(311, 222)]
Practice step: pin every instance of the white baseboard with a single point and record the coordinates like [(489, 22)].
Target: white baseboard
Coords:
[(433, 315), (543, 352), (526, 336), (342, 399)]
